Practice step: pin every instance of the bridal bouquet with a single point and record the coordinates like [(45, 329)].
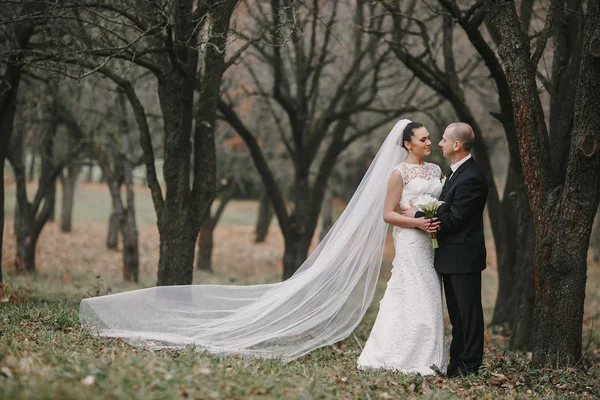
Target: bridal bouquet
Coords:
[(429, 206)]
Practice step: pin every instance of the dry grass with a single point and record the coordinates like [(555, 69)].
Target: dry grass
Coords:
[(45, 354)]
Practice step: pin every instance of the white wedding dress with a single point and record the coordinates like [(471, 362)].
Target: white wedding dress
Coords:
[(408, 334)]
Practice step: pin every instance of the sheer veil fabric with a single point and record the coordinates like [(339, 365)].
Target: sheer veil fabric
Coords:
[(322, 303)]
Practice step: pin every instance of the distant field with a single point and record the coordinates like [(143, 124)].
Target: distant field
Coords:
[(93, 204)]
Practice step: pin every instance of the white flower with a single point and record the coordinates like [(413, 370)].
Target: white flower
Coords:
[(426, 199), (427, 204)]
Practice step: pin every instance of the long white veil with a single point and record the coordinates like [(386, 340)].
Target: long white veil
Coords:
[(319, 305)]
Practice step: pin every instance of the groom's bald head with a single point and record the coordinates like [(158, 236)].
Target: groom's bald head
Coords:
[(463, 133)]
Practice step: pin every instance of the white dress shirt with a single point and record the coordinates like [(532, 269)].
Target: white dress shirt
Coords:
[(456, 165)]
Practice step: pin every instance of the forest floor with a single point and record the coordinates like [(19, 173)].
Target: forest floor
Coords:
[(45, 354)]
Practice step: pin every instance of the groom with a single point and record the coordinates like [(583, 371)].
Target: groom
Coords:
[(461, 255)]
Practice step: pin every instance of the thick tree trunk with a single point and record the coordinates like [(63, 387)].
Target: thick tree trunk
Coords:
[(563, 211), (326, 213), (265, 215), (506, 254), (561, 275), (177, 242), (521, 323), (178, 225), (184, 210), (205, 245), (567, 34), (295, 253)]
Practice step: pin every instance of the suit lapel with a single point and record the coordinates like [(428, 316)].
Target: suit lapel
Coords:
[(455, 175)]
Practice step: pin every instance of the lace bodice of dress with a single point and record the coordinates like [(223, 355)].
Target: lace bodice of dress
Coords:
[(419, 179)]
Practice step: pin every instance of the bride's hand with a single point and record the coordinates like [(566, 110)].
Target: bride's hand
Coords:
[(429, 225), (409, 211)]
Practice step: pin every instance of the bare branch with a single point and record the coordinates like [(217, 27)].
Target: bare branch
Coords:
[(541, 44)]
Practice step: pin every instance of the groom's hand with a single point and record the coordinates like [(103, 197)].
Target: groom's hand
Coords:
[(429, 225)]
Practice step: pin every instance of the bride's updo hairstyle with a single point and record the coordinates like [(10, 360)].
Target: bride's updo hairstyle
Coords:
[(409, 132)]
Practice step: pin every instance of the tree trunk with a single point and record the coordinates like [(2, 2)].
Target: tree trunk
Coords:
[(561, 275), (32, 164), (326, 213), (9, 87), (265, 214), (123, 220), (129, 229), (205, 245), (177, 242), (177, 226), (52, 216), (184, 210), (521, 323), (112, 238), (131, 258), (295, 253), (563, 210), (506, 254), (69, 183), (90, 173), (595, 240), (30, 222)]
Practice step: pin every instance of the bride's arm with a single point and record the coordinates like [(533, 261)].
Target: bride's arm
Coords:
[(392, 198)]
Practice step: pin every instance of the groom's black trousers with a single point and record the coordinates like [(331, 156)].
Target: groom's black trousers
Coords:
[(463, 299)]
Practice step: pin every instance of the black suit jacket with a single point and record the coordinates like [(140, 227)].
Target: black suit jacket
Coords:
[(461, 238)]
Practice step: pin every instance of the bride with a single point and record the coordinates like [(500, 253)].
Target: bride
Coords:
[(324, 301), (408, 334)]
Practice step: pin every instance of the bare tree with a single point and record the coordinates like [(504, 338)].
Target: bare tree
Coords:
[(182, 43), (563, 204), (32, 216), (115, 156), (316, 121), (15, 37)]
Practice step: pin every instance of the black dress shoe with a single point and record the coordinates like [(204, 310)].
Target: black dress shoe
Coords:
[(466, 372), (452, 371)]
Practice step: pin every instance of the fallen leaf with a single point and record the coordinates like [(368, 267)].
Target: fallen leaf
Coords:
[(500, 377), (88, 380), (6, 372)]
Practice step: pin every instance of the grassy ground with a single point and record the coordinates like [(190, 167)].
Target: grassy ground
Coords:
[(44, 353)]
